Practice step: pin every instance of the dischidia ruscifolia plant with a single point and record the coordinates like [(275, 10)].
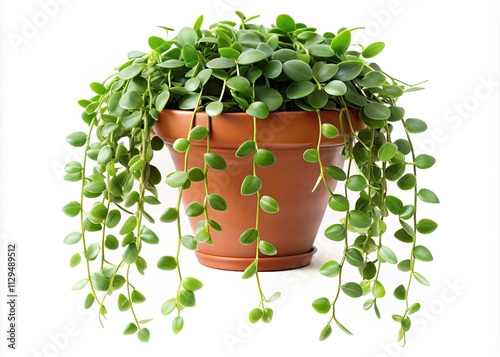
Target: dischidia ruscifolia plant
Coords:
[(254, 69)]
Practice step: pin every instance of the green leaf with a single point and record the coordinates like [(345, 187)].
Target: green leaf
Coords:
[(75, 260), (318, 99), (199, 132), (167, 263), (131, 100), (354, 257), (130, 72), (414, 308), (356, 183), (245, 149), (406, 324), (92, 251), (387, 151), (137, 297), (177, 324), (217, 202), (352, 289), (89, 301), (249, 236), (100, 282), (377, 111), (322, 305), (264, 158), (191, 284), (221, 63), (338, 203), (113, 218), (270, 96), (394, 172), (385, 254), (162, 100), (73, 238), (215, 161), (311, 155), (177, 179), (255, 315), (239, 84), (297, 70), (404, 265), (148, 236), (320, 50), (298, 90), (202, 235), (77, 139), (329, 131), (403, 236), (80, 284), (181, 145), (190, 56), (415, 126), (428, 196), (336, 88), (169, 215), (143, 335), (373, 79), (336, 173), (131, 253), (229, 52), (286, 23), (421, 279), (250, 271), (348, 70), (272, 69), (400, 292), (111, 242), (341, 42), (373, 49), (267, 315), (130, 329), (359, 219), (194, 209), (168, 307), (98, 88), (214, 109), (129, 225), (251, 185), (336, 232), (422, 253), (258, 110), (267, 248), (407, 181), (426, 226), (378, 289), (269, 204), (132, 199), (189, 102), (424, 161), (330, 269), (325, 332), (251, 56), (394, 204), (325, 73), (187, 36), (123, 303)]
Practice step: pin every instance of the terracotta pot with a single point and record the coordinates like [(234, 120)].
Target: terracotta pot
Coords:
[(290, 180)]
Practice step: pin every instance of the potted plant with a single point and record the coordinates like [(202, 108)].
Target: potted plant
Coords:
[(254, 101)]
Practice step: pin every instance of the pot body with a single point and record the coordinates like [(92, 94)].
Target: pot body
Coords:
[(290, 181)]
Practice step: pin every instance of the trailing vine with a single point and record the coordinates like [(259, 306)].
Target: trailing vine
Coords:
[(257, 70)]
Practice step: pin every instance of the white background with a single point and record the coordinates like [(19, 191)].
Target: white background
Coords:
[(49, 55)]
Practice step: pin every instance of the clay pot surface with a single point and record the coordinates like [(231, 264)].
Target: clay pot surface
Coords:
[(290, 181)]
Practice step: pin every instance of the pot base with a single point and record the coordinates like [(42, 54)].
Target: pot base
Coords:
[(265, 263)]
